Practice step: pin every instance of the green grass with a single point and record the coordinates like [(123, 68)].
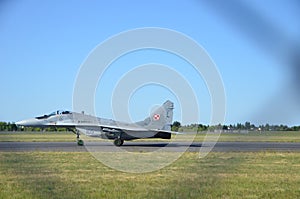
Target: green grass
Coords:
[(37, 137), (270, 136), (219, 175)]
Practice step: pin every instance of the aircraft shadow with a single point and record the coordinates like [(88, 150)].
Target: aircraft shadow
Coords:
[(159, 145)]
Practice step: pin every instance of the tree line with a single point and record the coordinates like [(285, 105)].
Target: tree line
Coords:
[(176, 126), (7, 126)]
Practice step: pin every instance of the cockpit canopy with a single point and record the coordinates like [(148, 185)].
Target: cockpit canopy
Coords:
[(59, 112)]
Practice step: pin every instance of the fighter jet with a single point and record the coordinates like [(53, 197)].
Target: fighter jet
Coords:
[(157, 125)]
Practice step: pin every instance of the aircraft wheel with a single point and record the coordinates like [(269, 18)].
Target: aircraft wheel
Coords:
[(80, 142), (118, 142)]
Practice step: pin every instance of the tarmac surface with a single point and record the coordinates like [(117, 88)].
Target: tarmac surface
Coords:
[(147, 146)]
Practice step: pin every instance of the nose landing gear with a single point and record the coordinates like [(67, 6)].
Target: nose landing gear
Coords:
[(79, 141)]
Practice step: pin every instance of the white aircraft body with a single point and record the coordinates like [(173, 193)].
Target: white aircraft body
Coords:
[(157, 125)]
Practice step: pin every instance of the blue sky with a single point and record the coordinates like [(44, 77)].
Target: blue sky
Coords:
[(44, 43)]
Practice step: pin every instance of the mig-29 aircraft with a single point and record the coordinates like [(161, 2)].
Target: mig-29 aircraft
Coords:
[(157, 125)]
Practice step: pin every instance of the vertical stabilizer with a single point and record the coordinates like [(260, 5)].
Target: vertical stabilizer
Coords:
[(161, 118)]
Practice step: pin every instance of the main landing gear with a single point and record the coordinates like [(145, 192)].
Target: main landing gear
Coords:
[(118, 142)]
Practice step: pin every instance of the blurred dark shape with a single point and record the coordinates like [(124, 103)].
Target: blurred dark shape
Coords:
[(249, 22), (269, 37)]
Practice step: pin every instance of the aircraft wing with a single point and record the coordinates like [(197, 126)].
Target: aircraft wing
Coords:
[(84, 125)]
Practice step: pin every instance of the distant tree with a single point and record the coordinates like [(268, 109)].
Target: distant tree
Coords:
[(283, 127), (8, 126), (219, 127), (225, 127), (14, 127), (267, 127), (252, 127), (175, 126), (202, 127), (3, 126), (295, 128), (239, 126), (247, 125)]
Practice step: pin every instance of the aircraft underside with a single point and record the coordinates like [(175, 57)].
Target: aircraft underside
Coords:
[(120, 136)]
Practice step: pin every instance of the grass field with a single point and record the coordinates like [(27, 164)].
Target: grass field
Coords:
[(37, 137), (219, 175), (268, 136), (288, 136)]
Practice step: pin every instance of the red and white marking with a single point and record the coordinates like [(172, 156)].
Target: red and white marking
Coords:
[(156, 117)]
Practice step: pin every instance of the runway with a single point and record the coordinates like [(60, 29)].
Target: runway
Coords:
[(147, 146)]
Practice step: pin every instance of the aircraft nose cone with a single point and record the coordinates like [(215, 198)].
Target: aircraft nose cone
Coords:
[(30, 122), (20, 123)]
